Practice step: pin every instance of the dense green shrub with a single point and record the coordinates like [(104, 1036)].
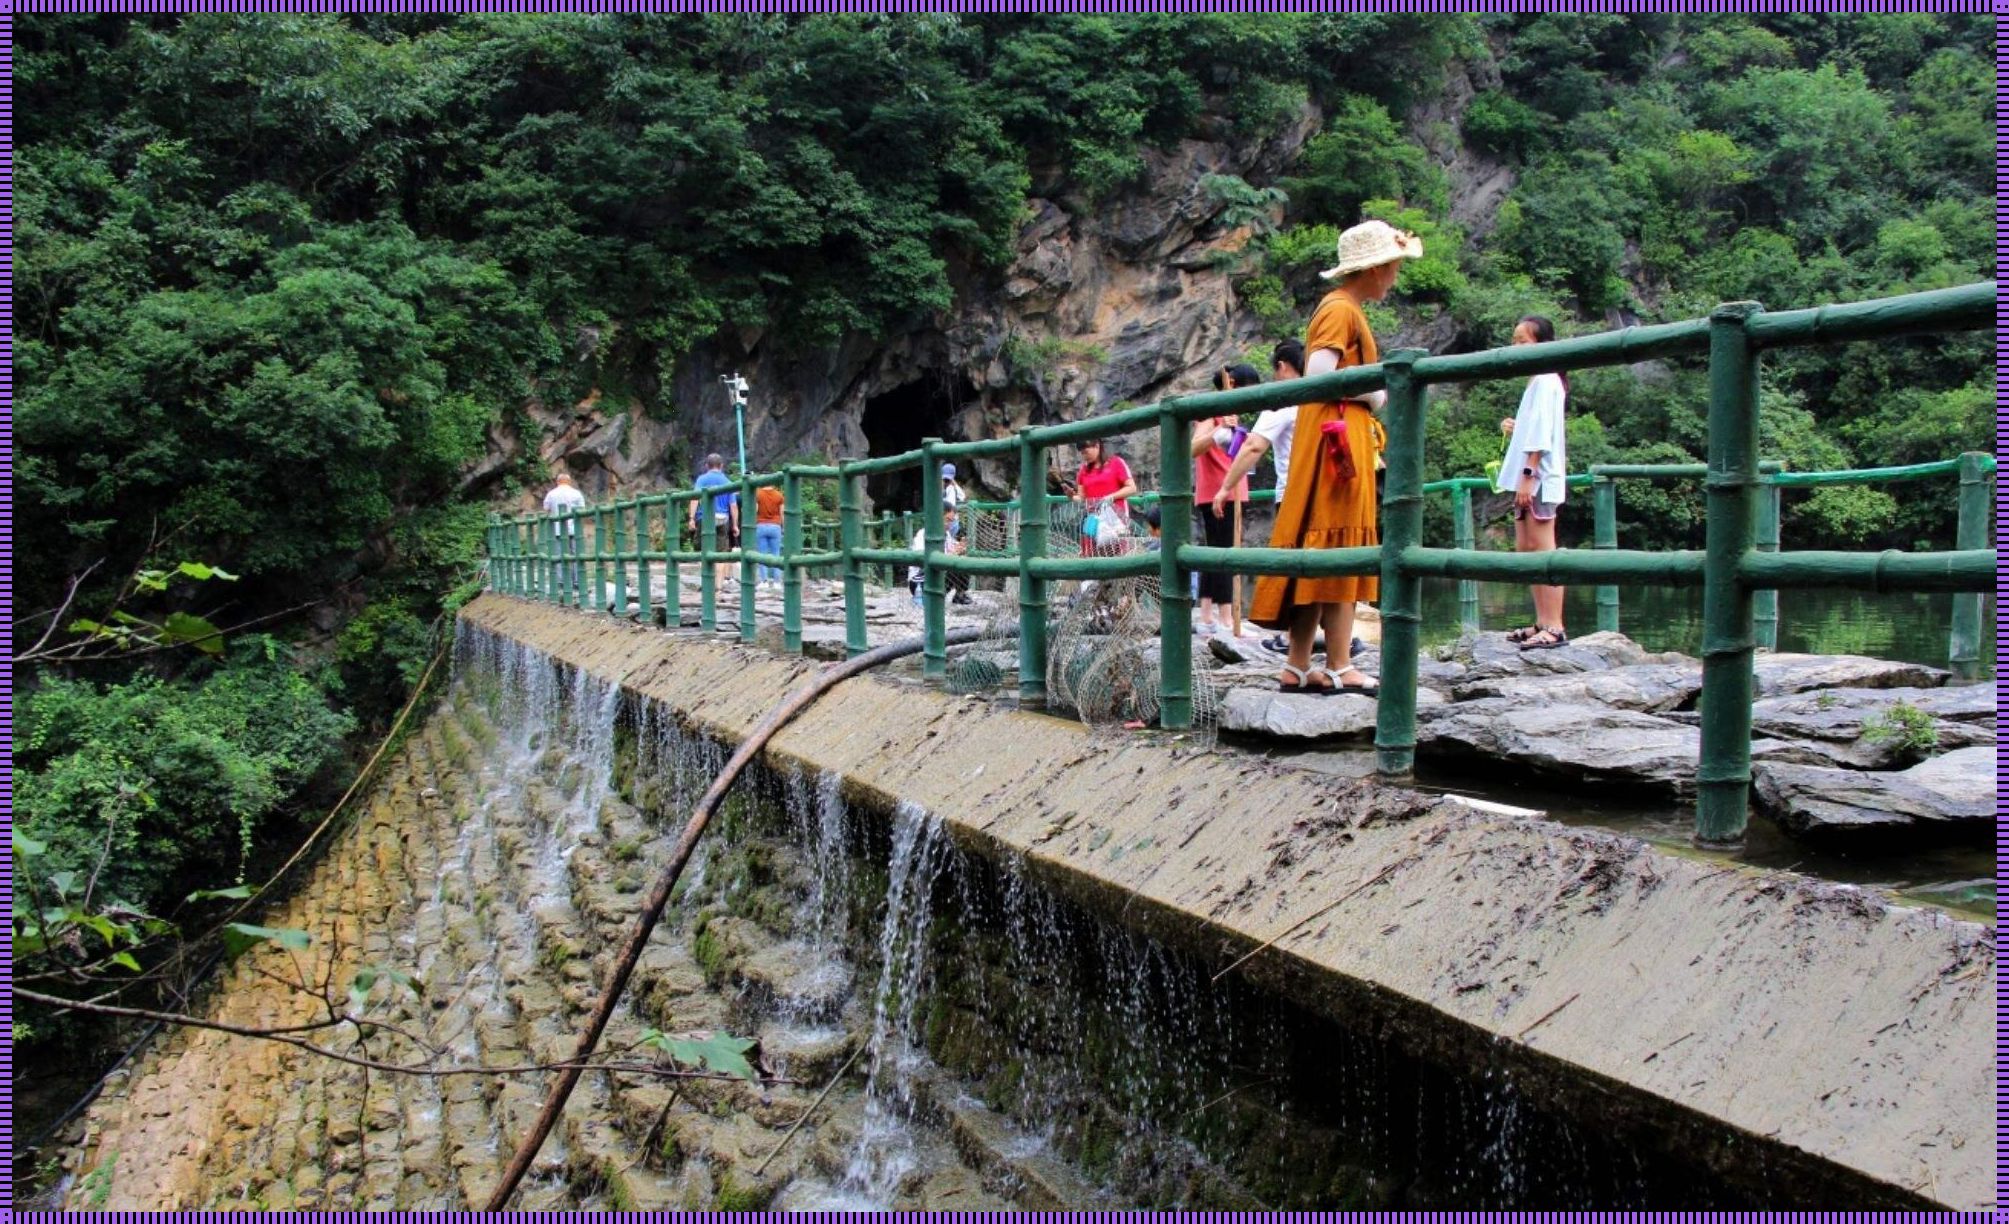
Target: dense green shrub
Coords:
[(155, 785)]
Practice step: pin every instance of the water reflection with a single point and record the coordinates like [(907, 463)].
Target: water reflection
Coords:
[(1909, 626)]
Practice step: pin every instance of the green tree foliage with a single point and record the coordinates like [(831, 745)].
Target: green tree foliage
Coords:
[(152, 785), (1663, 164), (1362, 155)]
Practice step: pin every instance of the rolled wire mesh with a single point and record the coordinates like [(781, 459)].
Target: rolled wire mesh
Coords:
[(1102, 635)]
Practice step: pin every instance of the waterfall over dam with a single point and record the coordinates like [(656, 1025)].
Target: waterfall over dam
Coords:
[(1042, 970)]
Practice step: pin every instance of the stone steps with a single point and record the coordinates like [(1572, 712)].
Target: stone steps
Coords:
[(451, 871)]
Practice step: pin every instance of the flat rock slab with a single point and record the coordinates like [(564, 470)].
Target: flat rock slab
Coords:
[(1264, 711), (1781, 674), (1570, 737), (1844, 721), (1580, 740), (1955, 788), (1477, 658), (1651, 688)]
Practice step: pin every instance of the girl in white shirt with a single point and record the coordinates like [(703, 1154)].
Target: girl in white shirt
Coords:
[(1536, 472)]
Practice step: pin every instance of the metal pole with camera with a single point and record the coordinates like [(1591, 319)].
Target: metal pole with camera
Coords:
[(735, 388)]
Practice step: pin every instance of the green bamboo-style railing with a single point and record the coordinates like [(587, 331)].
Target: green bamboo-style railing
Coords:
[(1739, 568)]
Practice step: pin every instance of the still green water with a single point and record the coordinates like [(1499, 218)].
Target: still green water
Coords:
[(1911, 627)]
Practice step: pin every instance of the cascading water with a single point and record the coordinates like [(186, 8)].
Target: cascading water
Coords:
[(884, 1154), (1072, 1060)]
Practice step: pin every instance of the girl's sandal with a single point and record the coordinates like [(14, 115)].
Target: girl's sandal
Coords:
[(1304, 687), (1522, 634), (1546, 639), (1369, 689)]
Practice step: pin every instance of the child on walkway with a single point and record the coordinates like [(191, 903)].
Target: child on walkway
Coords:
[(1536, 472), (957, 584)]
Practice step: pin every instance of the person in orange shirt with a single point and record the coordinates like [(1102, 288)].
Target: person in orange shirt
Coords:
[(1329, 500), (767, 507)]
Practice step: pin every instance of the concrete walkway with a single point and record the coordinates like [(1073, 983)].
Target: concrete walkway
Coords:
[(1817, 1039)]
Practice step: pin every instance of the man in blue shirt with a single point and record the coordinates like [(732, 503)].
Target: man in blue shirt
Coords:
[(724, 512)]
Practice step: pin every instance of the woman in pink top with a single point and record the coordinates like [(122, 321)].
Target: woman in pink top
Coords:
[(1210, 468), (1102, 487)]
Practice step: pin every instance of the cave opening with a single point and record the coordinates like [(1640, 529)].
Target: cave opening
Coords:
[(897, 420)]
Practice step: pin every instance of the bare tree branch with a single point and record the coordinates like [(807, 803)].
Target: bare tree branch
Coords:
[(289, 1036), (56, 617)]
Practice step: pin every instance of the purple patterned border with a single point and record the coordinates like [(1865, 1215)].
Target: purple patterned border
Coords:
[(979, 6), (7, 559), (1999, 8)]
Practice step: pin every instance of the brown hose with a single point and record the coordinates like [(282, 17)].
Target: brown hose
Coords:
[(659, 895)]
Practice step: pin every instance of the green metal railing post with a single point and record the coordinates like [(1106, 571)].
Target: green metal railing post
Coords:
[(851, 536), (1604, 537), (791, 548), (708, 564), (547, 587), (934, 581), (547, 581), (1175, 591), (1466, 536), (541, 537), (673, 572), (1032, 597), (1401, 587), (599, 557), (642, 561), (1977, 497), (748, 576), (1723, 777), (619, 538), (1765, 600), (569, 535), (890, 539)]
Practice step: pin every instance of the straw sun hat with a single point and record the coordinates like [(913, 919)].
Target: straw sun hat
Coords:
[(1371, 244)]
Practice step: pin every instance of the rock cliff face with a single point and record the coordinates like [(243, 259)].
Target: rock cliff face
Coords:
[(1122, 302), (1105, 304)]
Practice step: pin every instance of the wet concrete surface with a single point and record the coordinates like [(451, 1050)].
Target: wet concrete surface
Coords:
[(1813, 1032)]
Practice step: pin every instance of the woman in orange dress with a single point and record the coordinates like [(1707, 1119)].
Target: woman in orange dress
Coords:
[(1329, 500)]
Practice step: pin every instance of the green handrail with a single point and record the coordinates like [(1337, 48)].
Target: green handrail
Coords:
[(1740, 569)]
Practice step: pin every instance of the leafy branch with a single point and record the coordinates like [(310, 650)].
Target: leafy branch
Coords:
[(118, 633)]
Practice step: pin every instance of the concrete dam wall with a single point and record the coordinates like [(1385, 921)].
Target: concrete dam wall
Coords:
[(1046, 969)]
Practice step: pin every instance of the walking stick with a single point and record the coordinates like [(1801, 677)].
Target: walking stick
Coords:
[(1235, 602)]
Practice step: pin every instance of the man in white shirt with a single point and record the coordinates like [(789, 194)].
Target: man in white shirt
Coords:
[(565, 498)]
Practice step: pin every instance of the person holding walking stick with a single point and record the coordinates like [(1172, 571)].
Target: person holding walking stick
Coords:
[(1212, 494)]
